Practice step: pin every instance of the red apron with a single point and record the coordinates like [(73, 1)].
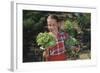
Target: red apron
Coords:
[(57, 52)]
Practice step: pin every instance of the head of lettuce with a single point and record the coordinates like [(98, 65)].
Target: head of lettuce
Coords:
[(45, 40)]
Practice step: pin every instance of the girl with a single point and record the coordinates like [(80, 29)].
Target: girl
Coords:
[(57, 52)]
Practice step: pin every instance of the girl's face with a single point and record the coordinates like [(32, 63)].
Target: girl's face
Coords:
[(52, 24)]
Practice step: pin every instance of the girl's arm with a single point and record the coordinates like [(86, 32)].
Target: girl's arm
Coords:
[(46, 54)]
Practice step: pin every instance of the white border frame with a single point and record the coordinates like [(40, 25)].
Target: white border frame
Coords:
[(16, 60)]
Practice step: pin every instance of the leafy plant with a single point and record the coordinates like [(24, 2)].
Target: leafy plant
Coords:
[(69, 27), (45, 40), (71, 42), (73, 49)]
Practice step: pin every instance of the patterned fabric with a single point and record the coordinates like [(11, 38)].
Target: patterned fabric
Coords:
[(57, 52), (58, 49)]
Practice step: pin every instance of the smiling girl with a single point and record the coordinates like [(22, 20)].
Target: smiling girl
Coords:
[(56, 52)]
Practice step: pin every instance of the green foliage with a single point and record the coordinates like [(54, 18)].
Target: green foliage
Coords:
[(72, 51), (28, 23), (45, 40), (71, 42), (69, 27), (73, 54), (84, 20)]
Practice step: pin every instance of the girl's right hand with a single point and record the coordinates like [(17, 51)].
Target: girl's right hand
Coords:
[(46, 54)]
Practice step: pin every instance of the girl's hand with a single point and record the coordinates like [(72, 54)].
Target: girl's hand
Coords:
[(46, 54)]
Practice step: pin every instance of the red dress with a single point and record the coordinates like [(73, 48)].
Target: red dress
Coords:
[(57, 52)]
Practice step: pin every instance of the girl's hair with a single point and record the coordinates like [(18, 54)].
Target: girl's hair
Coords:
[(58, 18), (54, 16)]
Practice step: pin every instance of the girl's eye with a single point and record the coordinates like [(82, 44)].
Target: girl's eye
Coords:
[(53, 25), (50, 25)]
